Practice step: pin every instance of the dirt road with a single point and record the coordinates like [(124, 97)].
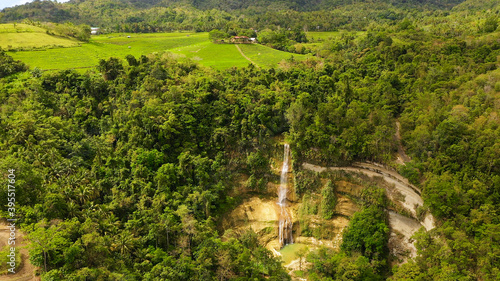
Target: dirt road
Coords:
[(400, 225), (412, 199), (27, 271), (247, 58)]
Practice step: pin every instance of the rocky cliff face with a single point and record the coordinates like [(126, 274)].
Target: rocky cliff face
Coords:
[(260, 213)]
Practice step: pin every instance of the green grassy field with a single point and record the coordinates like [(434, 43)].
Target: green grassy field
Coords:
[(267, 57), (102, 47), (87, 55), (19, 27), (220, 56), (27, 36), (151, 42), (195, 46)]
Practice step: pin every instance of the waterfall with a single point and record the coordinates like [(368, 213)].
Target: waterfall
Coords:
[(285, 219)]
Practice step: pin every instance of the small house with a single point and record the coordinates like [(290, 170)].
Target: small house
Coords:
[(94, 30), (240, 40)]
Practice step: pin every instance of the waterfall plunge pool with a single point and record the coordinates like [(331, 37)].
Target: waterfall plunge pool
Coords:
[(289, 252)]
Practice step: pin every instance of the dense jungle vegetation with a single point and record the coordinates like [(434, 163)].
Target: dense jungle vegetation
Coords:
[(124, 172), (170, 15)]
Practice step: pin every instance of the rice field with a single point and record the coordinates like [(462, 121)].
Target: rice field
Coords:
[(195, 46), (102, 47), (219, 56), (267, 57)]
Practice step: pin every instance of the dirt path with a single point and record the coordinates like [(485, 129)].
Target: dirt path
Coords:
[(402, 157), (412, 199), (402, 227), (27, 271), (247, 58)]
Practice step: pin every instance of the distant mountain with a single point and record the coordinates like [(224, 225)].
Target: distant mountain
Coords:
[(113, 12), (314, 5), (478, 5), (39, 10)]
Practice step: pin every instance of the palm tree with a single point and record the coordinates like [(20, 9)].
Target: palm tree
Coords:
[(124, 242)]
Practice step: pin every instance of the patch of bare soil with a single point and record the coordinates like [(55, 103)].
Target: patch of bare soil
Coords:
[(345, 206), (255, 213), (26, 272), (336, 225), (402, 157), (402, 245), (348, 187)]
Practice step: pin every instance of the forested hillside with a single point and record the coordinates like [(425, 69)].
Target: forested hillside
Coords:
[(169, 15), (127, 170)]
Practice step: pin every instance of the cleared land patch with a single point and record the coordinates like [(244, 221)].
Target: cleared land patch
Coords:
[(195, 46), (19, 27), (220, 56), (267, 57), (150, 42), (27, 36), (103, 47)]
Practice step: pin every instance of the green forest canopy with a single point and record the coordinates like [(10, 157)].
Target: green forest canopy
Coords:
[(129, 167)]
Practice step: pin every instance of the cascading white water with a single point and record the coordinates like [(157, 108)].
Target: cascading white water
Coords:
[(285, 220)]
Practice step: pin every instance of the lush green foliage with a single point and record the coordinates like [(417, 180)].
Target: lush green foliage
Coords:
[(130, 168), (367, 233), (26, 37), (328, 200), (282, 39), (329, 265), (81, 32), (9, 66), (217, 35), (136, 172), (305, 180), (206, 15), (364, 251)]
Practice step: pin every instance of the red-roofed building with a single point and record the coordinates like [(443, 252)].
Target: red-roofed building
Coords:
[(240, 40)]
